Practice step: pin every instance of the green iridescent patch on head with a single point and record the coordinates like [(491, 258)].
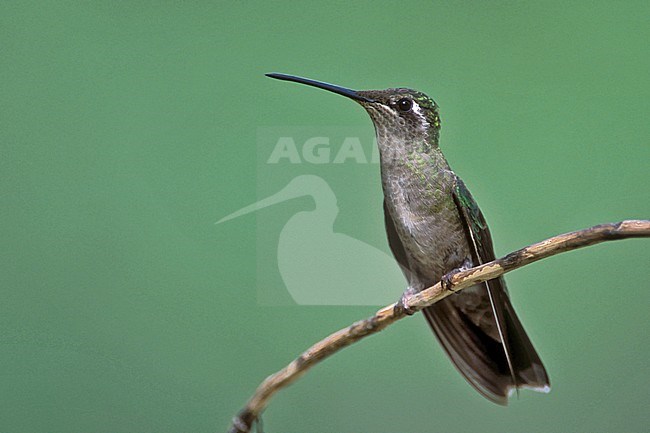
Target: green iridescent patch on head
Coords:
[(430, 107), (424, 101)]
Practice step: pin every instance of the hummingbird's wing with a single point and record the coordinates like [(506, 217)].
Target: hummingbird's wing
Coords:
[(492, 350), (395, 243)]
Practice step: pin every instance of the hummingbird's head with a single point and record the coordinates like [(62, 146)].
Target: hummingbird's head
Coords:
[(405, 120), (402, 115)]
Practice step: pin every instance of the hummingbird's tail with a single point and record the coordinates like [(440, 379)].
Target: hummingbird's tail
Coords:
[(480, 357)]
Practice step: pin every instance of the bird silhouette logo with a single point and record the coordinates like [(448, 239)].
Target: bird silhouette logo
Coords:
[(320, 266)]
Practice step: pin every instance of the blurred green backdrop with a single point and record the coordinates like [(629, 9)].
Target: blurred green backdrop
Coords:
[(128, 128)]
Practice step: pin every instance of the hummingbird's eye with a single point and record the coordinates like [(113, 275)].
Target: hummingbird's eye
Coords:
[(404, 105)]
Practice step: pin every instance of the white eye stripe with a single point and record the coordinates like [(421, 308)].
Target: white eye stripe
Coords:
[(416, 109)]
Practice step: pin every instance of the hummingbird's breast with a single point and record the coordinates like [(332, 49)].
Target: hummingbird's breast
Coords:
[(418, 194)]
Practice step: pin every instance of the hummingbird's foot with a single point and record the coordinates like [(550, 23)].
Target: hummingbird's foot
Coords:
[(402, 305), (446, 282)]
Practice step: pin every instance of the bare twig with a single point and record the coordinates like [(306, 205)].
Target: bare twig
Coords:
[(558, 244)]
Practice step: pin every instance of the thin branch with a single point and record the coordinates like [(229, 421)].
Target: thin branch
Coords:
[(558, 244)]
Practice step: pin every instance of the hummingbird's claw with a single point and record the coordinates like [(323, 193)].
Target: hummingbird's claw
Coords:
[(402, 305), (446, 282)]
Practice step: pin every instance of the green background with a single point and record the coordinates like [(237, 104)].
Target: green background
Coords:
[(129, 128)]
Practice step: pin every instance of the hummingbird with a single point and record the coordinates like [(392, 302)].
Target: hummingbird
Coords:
[(435, 228)]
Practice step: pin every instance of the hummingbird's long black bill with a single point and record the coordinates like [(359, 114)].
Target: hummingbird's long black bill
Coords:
[(326, 86)]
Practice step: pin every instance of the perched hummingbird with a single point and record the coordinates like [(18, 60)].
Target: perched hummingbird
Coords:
[(435, 228)]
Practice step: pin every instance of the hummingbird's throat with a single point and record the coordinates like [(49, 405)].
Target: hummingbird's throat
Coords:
[(404, 133)]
